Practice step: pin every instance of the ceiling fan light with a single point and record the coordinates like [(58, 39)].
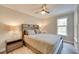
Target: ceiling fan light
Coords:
[(43, 12)]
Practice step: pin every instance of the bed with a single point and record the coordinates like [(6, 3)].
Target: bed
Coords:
[(33, 41), (41, 43)]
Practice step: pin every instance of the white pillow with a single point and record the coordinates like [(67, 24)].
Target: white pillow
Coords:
[(31, 32)]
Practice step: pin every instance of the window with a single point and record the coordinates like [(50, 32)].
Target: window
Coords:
[(62, 26)]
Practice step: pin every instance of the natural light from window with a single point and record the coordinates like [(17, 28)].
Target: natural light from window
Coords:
[(62, 26)]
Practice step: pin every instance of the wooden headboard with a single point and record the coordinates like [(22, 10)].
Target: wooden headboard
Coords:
[(26, 27)]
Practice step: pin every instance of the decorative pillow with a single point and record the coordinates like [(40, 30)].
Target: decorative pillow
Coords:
[(37, 31), (31, 32)]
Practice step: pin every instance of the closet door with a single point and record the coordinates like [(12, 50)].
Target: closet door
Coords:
[(76, 27), (78, 22), (76, 13)]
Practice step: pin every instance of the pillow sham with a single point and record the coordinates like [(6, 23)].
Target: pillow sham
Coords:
[(31, 32)]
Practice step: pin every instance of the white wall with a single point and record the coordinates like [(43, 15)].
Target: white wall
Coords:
[(11, 17), (14, 18), (52, 26)]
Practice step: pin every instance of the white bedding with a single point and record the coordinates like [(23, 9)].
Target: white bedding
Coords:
[(46, 43), (50, 38)]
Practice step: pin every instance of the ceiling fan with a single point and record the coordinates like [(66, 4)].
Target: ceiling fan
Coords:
[(43, 10)]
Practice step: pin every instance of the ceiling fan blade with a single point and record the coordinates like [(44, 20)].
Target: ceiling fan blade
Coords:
[(43, 8), (47, 12)]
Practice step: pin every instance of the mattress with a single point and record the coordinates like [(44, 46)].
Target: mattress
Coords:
[(45, 43)]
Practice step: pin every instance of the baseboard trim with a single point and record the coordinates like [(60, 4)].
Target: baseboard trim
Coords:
[(69, 42)]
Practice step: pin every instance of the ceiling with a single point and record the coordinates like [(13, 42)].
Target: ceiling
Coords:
[(30, 9)]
